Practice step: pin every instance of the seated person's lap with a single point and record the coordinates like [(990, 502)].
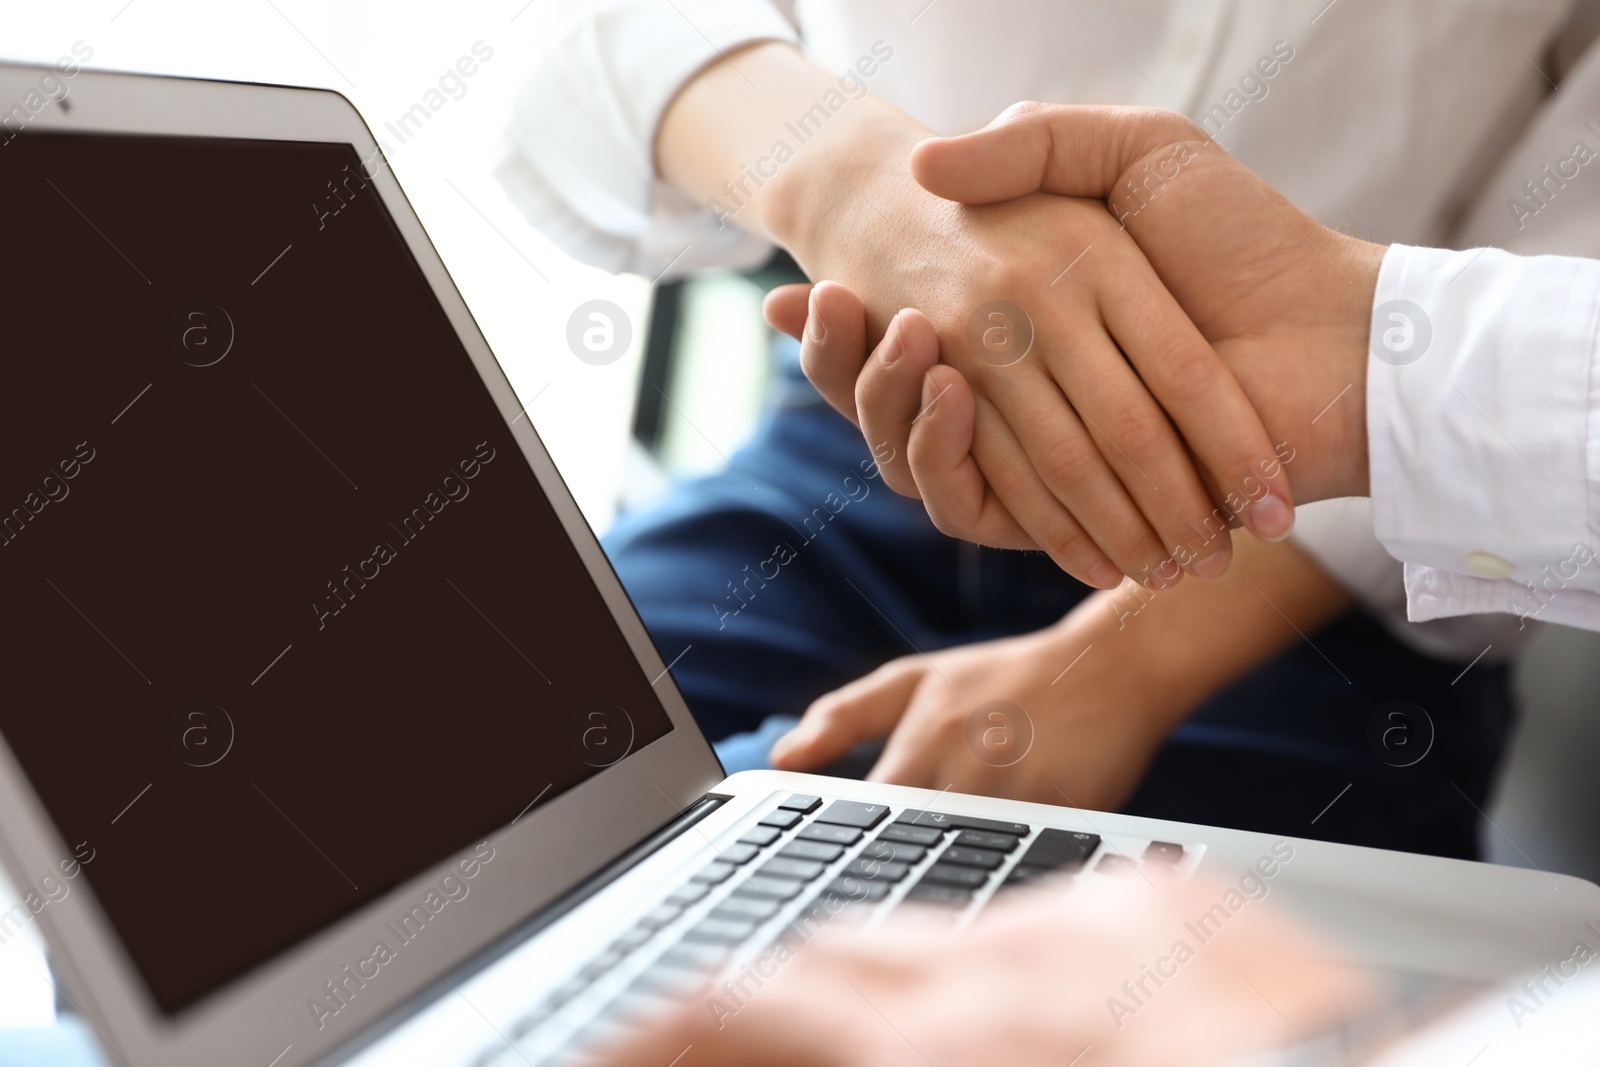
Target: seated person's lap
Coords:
[(798, 570)]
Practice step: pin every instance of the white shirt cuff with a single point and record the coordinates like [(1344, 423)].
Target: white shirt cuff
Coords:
[(1337, 536), (1483, 425)]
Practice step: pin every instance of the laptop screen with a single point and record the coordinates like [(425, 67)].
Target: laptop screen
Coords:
[(291, 619)]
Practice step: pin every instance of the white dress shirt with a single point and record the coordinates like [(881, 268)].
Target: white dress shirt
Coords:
[(1382, 124)]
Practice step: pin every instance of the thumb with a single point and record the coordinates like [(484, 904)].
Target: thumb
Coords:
[(866, 709), (1052, 148)]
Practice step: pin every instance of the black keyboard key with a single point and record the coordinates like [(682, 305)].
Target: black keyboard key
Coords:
[(1163, 852), (854, 813), (720, 931), (930, 893), (760, 836), (713, 873), (1020, 875), (893, 850), (987, 839), (685, 895), (660, 916), (738, 854), (529, 1023), (632, 939), (632, 1008), (946, 821), (598, 1032), (769, 888), (695, 957), (784, 867), (565, 992), (1056, 849), (780, 819), (746, 908), (971, 857), (804, 803), (911, 835), (669, 983), (833, 835), (876, 870), (600, 965), (949, 874), (811, 850), (1115, 863), (858, 890)]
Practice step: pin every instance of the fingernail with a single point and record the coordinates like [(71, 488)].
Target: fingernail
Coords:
[(1213, 566), (890, 349), (816, 329), (1271, 518), (1104, 575), (929, 395)]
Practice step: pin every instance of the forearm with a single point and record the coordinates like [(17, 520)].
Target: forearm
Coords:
[(755, 137), (1179, 646)]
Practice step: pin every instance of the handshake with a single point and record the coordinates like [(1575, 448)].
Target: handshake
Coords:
[(1124, 342)]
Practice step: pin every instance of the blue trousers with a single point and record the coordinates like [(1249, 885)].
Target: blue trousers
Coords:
[(791, 573)]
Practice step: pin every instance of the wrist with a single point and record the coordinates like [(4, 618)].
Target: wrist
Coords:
[(1346, 471), (1114, 647), (858, 161)]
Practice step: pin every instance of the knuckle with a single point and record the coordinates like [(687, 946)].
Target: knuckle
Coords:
[(1190, 369), (945, 524), (946, 726), (1138, 431), (1068, 463), (1024, 109), (821, 709), (866, 395), (1182, 127), (895, 669), (1068, 544), (1015, 275), (830, 708), (901, 482)]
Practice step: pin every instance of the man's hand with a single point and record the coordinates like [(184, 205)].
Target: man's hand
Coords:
[(1071, 345), (1036, 981), (1285, 301), (1072, 714), (1000, 718)]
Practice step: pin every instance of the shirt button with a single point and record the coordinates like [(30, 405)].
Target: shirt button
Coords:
[(1489, 565)]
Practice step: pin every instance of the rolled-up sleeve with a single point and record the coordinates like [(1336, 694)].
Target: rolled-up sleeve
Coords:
[(579, 153), (1483, 424)]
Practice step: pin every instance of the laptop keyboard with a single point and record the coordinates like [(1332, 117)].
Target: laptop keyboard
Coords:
[(806, 863)]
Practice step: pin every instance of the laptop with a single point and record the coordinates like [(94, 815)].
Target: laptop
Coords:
[(329, 734)]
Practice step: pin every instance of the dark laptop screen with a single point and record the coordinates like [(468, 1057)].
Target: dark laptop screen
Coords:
[(290, 618)]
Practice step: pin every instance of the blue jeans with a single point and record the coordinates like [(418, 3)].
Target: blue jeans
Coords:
[(791, 573)]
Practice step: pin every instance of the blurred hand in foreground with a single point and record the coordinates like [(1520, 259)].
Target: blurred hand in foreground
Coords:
[(1109, 964)]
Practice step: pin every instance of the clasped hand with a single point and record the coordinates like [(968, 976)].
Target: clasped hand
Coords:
[(1163, 340)]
